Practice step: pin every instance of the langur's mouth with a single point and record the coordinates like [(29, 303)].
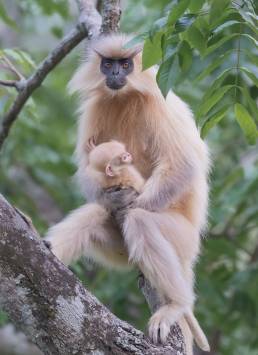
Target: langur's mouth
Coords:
[(115, 84)]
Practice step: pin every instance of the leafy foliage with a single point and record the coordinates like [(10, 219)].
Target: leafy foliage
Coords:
[(207, 52), (221, 33)]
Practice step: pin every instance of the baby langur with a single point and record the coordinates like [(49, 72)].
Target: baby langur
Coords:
[(111, 165)]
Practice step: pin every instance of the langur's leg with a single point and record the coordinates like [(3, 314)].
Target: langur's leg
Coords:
[(86, 231), (159, 261)]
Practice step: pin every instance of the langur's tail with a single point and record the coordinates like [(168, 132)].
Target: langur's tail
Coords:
[(198, 334)]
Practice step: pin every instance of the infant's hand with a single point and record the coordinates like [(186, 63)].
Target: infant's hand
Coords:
[(119, 200), (91, 144)]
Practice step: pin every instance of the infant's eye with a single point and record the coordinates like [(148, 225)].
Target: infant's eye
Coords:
[(125, 65), (108, 65)]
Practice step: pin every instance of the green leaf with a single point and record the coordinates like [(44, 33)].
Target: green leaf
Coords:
[(211, 101), (196, 39), (217, 9), (212, 120), (210, 68), (251, 39), (217, 82), (224, 25), (164, 76), (184, 22), (8, 20), (248, 20), (252, 57), (185, 56), (219, 43), (250, 75), (246, 123), (152, 51), (177, 10), (251, 103), (196, 5)]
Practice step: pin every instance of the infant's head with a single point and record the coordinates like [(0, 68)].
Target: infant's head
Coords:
[(108, 157)]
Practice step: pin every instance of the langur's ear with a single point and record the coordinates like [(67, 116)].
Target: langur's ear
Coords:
[(91, 144), (136, 50), (109, 171)]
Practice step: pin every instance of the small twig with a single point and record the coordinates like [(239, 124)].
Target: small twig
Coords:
[(30, 85), (27, 87), (89, 26), (11, 83), (12, 68)]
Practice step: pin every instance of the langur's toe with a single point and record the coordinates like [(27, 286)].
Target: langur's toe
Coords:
[(160, 324)]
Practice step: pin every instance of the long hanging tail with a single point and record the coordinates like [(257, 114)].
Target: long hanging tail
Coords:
[(198, 334)]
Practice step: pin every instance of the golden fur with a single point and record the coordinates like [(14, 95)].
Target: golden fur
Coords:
[(161, 235)]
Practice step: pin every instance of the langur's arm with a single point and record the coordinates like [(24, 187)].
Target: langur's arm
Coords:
[(91, 182), (166, 184)]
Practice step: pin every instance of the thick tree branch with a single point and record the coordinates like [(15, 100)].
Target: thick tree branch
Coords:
[(44, 299), (89, 23), (111, 13)]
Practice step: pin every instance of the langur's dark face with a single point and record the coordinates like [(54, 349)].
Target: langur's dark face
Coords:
[(116, 71)]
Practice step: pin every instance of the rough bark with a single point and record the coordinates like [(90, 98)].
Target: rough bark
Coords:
[(44, 299), (110, 16)]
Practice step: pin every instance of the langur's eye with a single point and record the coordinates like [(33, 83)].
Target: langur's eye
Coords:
[(125, 65), (108, 65)]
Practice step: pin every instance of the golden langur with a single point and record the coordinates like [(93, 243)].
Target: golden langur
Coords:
[(162, 233)]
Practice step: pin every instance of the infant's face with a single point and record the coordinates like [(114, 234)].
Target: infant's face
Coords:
[(126, 158)]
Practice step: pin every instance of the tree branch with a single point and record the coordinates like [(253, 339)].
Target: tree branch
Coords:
[(110, 16), (10, 83), (89, 23), (44, 299)]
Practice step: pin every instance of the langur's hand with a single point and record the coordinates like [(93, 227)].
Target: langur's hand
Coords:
[(118, 200)]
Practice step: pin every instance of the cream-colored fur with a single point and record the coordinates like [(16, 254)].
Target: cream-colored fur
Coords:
[(162, 234)]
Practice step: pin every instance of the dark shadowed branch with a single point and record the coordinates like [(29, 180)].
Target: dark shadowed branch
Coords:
[(89, 25), (44, 299)]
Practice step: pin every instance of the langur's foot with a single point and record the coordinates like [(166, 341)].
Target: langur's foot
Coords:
[(161, 322)]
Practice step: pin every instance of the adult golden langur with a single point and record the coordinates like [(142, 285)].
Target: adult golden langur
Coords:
[(162, 233)]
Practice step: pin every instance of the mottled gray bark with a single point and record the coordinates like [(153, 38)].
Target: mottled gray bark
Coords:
[(111, 13), (48, 303)]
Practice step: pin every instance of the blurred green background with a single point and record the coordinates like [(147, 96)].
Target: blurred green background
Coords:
[(37, 165)]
